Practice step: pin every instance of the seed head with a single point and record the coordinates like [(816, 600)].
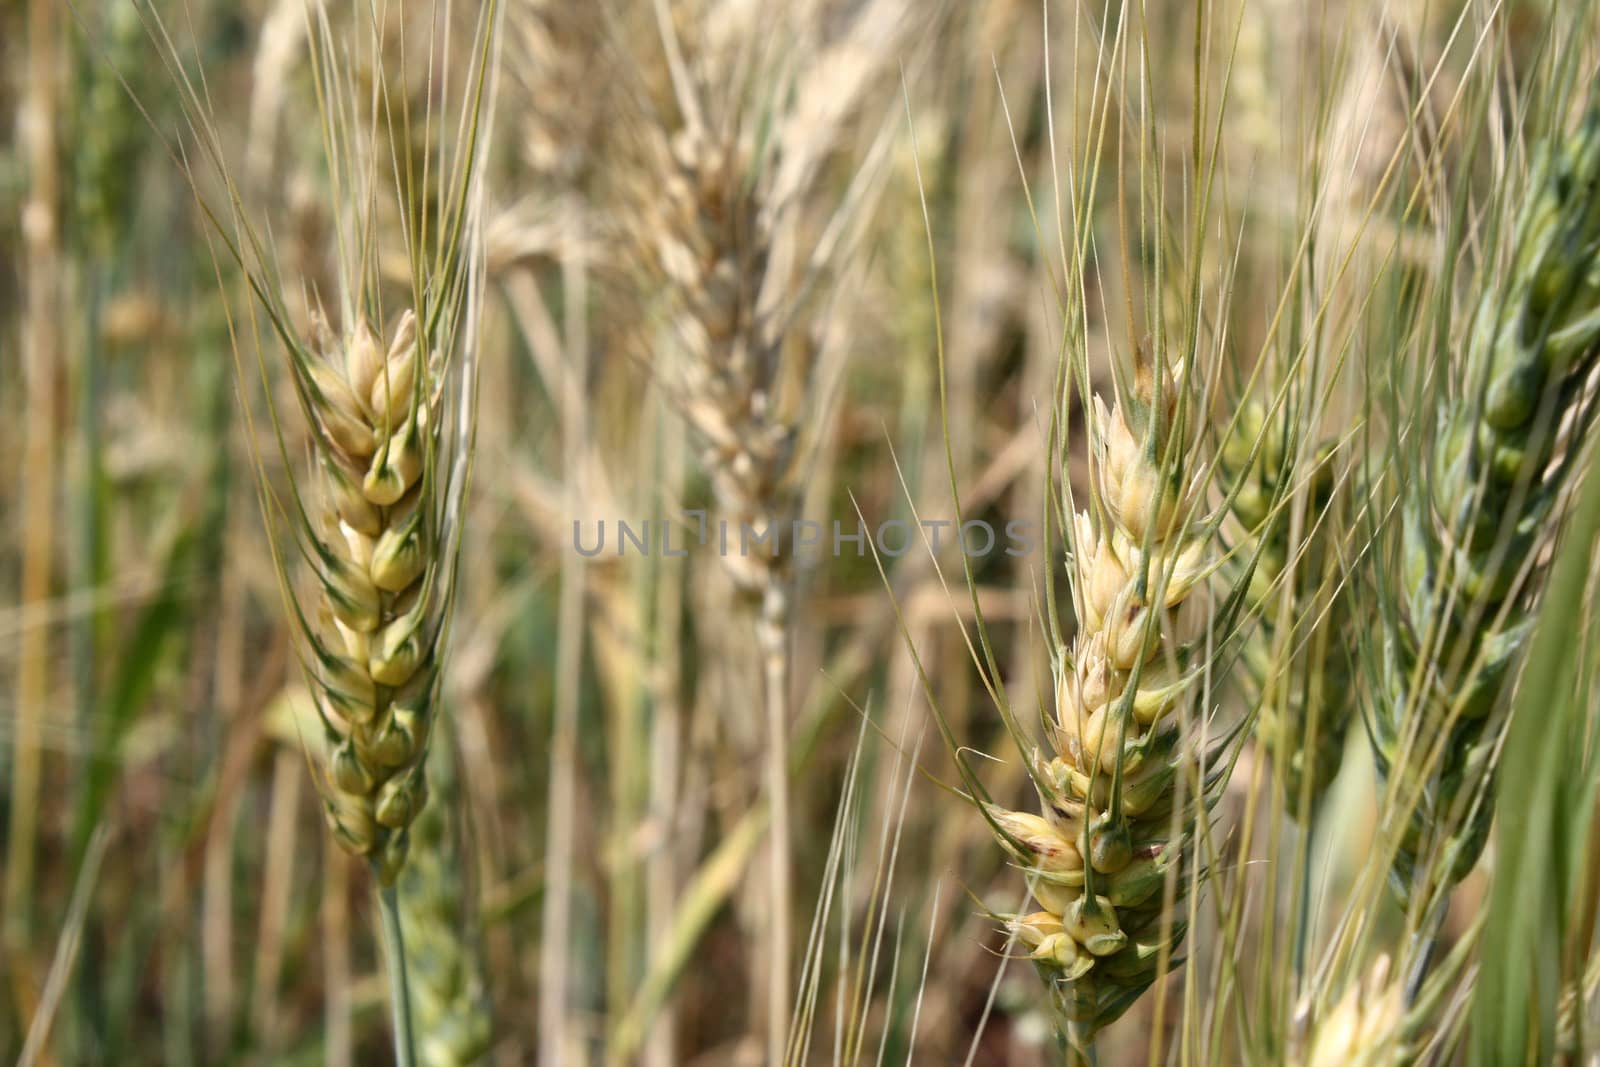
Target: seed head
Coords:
[(1104, 847), (376, 557), (1469, 538)]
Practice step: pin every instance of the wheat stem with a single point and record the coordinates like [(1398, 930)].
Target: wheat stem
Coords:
[(40, 351), (443, 966), (560, 840), (1424, 945), (665, 756), (1078, 1046), (336, 955), (773, 637), (1302, 928), (394, 952)]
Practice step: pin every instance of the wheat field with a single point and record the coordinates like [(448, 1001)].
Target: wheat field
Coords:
[(787, 532)]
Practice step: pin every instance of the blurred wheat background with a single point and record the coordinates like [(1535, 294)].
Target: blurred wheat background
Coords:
[(1290, 737)]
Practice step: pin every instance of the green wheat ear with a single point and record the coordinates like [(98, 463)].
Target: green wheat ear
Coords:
[(1297, 669), (1475, 530)]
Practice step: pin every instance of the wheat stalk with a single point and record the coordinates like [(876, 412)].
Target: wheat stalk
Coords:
[(453, 1023), (40, 346), (390, 415), (712, 242)]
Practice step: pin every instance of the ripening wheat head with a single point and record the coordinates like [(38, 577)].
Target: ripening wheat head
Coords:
[(374, 626), (387, 395), (393, 421), (1379, 1015), (1477, 527), (1109, 858), (1132, 760), (1365, 1028), (737, 233)]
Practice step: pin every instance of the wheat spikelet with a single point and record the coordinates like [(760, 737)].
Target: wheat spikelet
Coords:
[(1474, 532), (1304, 711), (1365, 1028), (1113, 842)]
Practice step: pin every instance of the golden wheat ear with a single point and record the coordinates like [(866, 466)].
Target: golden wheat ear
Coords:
[(375, 629)]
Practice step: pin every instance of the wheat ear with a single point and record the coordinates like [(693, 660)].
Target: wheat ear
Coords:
[(727, 195), (715, 244), (1365, 1028), (1302, 691), (1475, 528), (391, 417), (1385, 1018), (1108, 857), (374, 648)]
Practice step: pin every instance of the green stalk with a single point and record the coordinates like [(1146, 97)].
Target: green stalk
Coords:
[(394, 953), (1302, 932), (1077, 1046)]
